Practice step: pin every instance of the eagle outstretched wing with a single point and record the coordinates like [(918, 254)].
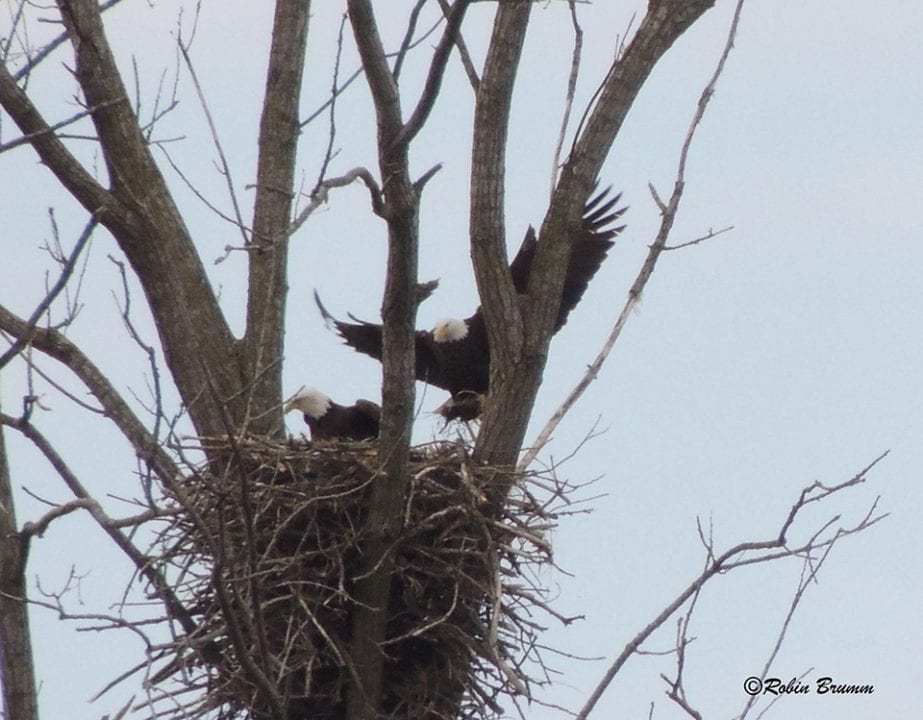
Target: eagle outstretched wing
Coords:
[(587, 253), (463, 365), (366, 337)]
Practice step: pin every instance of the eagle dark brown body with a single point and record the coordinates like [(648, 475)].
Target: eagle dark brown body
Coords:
[(455, 355)]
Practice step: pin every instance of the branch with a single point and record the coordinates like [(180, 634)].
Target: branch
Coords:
[(571, 90), (398, 311), (434, 78), (668, 216), (488, 165), (27, 69), (463, 53), (320, 195), (225, 168), (663, 24), (149, 228), (360, 71), (729, 560), (809, 572), (205, 201), (37, 528), (59, 347), (334, 94), (51, 129), (677, 691), (349, 81), (51, 150), (110, 527), (504, 423), (374, 61), (263, 340), (407, 42), (157, 411), (707, 236), (23, 338)]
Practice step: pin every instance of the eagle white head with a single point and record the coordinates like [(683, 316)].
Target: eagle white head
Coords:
[(311, 401), (450, 330)]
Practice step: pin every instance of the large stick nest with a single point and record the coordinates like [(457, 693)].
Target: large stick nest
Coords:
[(267, 549)]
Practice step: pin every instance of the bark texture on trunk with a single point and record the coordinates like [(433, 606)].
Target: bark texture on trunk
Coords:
[(521, 328)]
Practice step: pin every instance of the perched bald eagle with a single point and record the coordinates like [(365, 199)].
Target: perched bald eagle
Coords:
[(329, 420), (455, 356)]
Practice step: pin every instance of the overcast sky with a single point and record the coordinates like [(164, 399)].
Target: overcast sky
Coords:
[(786, 351)]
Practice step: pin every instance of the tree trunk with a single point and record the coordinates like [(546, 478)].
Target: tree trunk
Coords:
[(140, 213), (17, 671), (398, 313), (519, 353), (499, 300), (278, 143)]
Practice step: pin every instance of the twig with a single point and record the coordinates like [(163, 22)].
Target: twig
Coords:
[(205, 201), (57, 254), (356, 74), (571, 90), (707, 236), (319, 197), (332, 132), (467, 62), (812, 569), (668, 213), (157, 410), (408, 38), (726, 562), (226, 169), (434, 79), (24, 337), (51, 129), (141, 562), (677, 691), (52, 46)]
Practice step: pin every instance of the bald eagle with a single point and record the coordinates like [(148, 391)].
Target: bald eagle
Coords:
[(455, 355), (329, 420)]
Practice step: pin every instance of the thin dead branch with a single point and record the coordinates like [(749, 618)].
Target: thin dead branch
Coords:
[(668, 216), (434, 78), (334, 93), (26, 333), (34, 60), (225, 167), (464, 55), (322, 192), (748, 553), (571, 91), (53, 129), (111, 528), (406, 43), (55, 345)]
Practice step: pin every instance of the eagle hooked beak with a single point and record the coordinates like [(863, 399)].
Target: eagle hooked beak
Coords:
[(290, 404)]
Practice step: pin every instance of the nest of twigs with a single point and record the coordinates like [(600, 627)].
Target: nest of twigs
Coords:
[(267, 550)]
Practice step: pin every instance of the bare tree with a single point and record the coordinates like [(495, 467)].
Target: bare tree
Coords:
[(234, 558)]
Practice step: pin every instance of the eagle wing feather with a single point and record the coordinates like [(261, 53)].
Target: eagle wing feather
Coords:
[(366, 337)]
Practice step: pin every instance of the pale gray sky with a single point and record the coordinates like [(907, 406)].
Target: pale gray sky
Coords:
[(786, 351)]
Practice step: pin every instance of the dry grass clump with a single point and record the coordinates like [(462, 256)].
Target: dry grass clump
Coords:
[(266, 551)]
